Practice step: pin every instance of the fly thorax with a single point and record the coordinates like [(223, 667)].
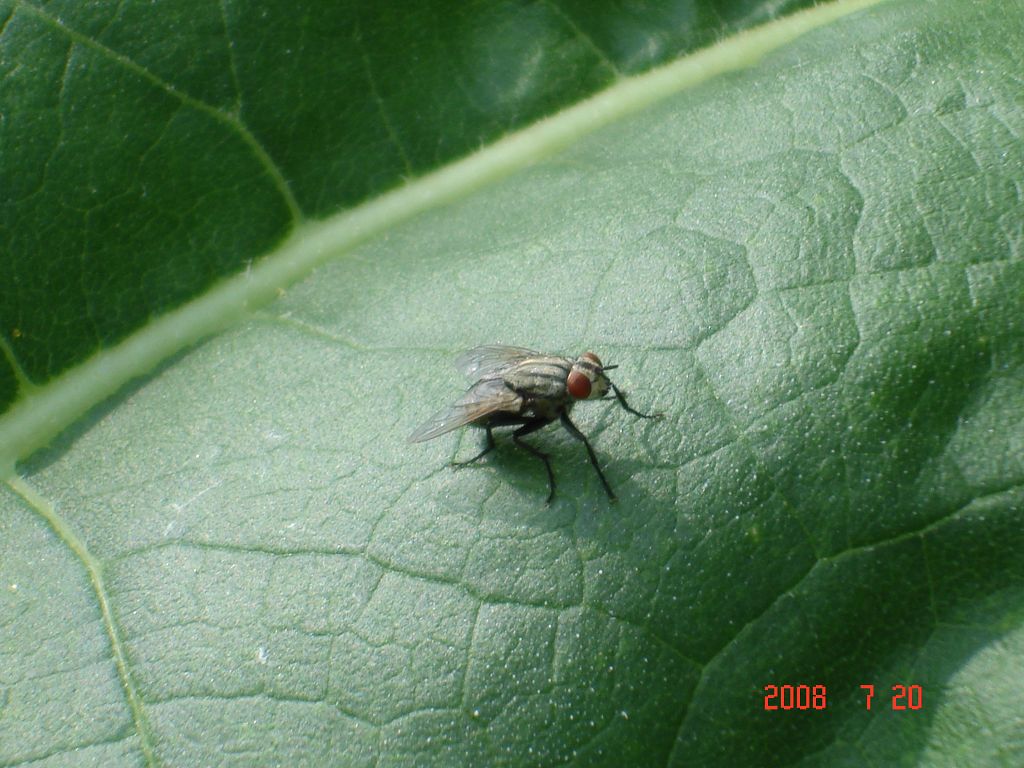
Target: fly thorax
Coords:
[(540, 379)]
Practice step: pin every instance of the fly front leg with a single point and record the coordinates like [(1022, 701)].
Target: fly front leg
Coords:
[(532, 426), (487, 449), (622, 401), (572, 430)]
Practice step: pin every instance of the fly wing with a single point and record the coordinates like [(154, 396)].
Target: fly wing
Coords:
[(483, 399), (490, 358)]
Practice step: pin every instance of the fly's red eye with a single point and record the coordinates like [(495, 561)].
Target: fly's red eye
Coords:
[(578, 385)]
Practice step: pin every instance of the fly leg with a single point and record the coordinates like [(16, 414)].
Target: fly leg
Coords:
[(622, 401), (487, 449), (532, 426), (572, 430)]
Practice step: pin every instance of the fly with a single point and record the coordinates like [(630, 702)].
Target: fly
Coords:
[(519, 387)]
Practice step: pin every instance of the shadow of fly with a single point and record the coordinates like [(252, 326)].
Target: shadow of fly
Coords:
[(519, 387)]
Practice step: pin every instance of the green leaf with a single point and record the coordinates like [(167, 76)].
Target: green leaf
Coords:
[(812, 266), (150, 150)]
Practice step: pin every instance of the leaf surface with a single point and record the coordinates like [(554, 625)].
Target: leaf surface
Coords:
[(811, 266), (149, 150)]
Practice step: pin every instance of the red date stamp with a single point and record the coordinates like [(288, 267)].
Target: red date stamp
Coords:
[(804, 697)]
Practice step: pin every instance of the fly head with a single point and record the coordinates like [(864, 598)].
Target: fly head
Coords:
[(587, 380)]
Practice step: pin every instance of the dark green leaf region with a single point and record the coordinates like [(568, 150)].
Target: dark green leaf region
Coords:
[(803, 245)]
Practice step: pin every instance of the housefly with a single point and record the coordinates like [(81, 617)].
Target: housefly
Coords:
[(519, 387)]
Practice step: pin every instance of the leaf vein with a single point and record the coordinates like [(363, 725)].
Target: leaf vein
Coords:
[(94, 570), (232, 121)]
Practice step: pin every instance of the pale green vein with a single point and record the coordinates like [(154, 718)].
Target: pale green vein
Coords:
[(231, 56), (311, 330), (25, 384), (94, 569), (584, 38), (227, 118), (35, 420), (389, 127)]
